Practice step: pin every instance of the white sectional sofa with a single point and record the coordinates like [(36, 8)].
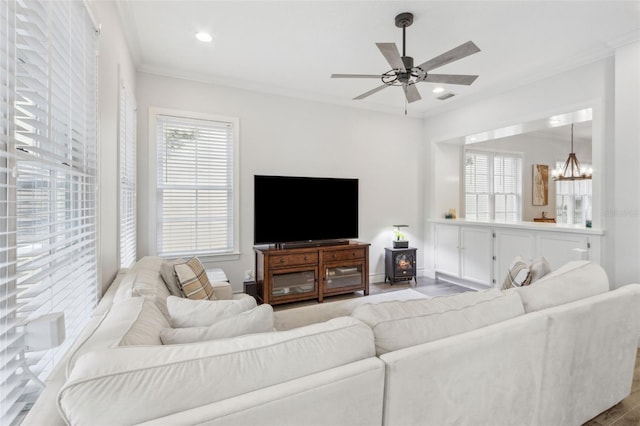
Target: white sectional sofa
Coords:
[(558, 352)]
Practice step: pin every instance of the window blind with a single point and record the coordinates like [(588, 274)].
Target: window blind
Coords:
[(11, 382), (506, 188), (493, 185), (195, 186), (477, 186), (127, 170), (49, 165)]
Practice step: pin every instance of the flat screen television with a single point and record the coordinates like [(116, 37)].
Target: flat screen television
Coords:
[(304, 209)]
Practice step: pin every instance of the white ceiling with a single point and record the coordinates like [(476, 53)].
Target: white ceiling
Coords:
[(292, 47)]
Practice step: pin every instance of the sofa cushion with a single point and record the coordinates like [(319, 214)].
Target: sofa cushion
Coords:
[(572, 281), (151, 263), (125, 288), (286, 319), (145, 330), (401, 324), (222, 290), (168, 274), (133, 321), (256, 320), (202, 313), (128, 385), (193, 280), (147, 281), (539, 268)]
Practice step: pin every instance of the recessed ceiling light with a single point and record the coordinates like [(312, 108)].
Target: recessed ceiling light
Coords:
[(205, 37), (438, 90)]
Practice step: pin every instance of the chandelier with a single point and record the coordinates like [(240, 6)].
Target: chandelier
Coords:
[(572, 169)]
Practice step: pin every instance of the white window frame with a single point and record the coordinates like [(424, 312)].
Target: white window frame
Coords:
[(127, 179), (234, 254), (491, 181)]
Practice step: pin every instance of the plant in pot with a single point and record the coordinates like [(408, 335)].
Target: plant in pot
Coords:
[(400, 241)]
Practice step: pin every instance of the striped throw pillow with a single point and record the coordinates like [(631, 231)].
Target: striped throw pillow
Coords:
[(518, 275), (193, 280)]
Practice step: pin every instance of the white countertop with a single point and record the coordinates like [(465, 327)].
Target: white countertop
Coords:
[(534, 226)]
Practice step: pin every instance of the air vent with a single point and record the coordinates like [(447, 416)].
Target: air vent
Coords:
[(446, 96)]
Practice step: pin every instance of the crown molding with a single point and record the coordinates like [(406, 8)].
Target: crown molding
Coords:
[(542, 72), (274, 90)]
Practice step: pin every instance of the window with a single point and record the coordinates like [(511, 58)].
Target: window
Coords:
[(492, 186), (196, 179), (48, 215), (573, 200), (477, 184), (127, 169)]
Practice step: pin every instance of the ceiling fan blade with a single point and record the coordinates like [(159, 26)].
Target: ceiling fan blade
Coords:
[(356, 76), (466, 49), (370, 92), (411, 93), (391, 54), (451, 78)]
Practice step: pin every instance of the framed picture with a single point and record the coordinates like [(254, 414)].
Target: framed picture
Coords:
[(540, 185)]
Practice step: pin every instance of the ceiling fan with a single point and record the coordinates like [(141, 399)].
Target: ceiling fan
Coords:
[(404, 73)]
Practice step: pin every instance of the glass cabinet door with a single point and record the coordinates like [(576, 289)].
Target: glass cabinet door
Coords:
[(343, 276), (293, 282)]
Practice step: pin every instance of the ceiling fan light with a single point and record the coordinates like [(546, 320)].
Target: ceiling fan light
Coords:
[(204, 37), (446, 96), (403, 73)]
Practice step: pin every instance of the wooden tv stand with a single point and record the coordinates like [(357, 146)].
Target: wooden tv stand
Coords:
[(294, 274)]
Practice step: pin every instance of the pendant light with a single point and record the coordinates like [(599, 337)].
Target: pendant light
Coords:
[(572, 169)]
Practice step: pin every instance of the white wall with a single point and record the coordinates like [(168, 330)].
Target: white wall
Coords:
[(280, 135), (447, 171), (625, 211), (114, 59), (611, 86)]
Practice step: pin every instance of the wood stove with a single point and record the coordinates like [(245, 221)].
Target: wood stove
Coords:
[(400, 264)]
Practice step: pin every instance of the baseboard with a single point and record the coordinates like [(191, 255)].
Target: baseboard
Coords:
[(472, 285), (429, 273), (377, 277)]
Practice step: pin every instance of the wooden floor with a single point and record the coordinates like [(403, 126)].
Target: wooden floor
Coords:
[(424, 285)]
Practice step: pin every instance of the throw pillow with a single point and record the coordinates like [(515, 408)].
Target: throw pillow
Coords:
[(193, 280), (256, 320), (517, 275), (168, 274), (539, 268), (202, 313), (145, 330)]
